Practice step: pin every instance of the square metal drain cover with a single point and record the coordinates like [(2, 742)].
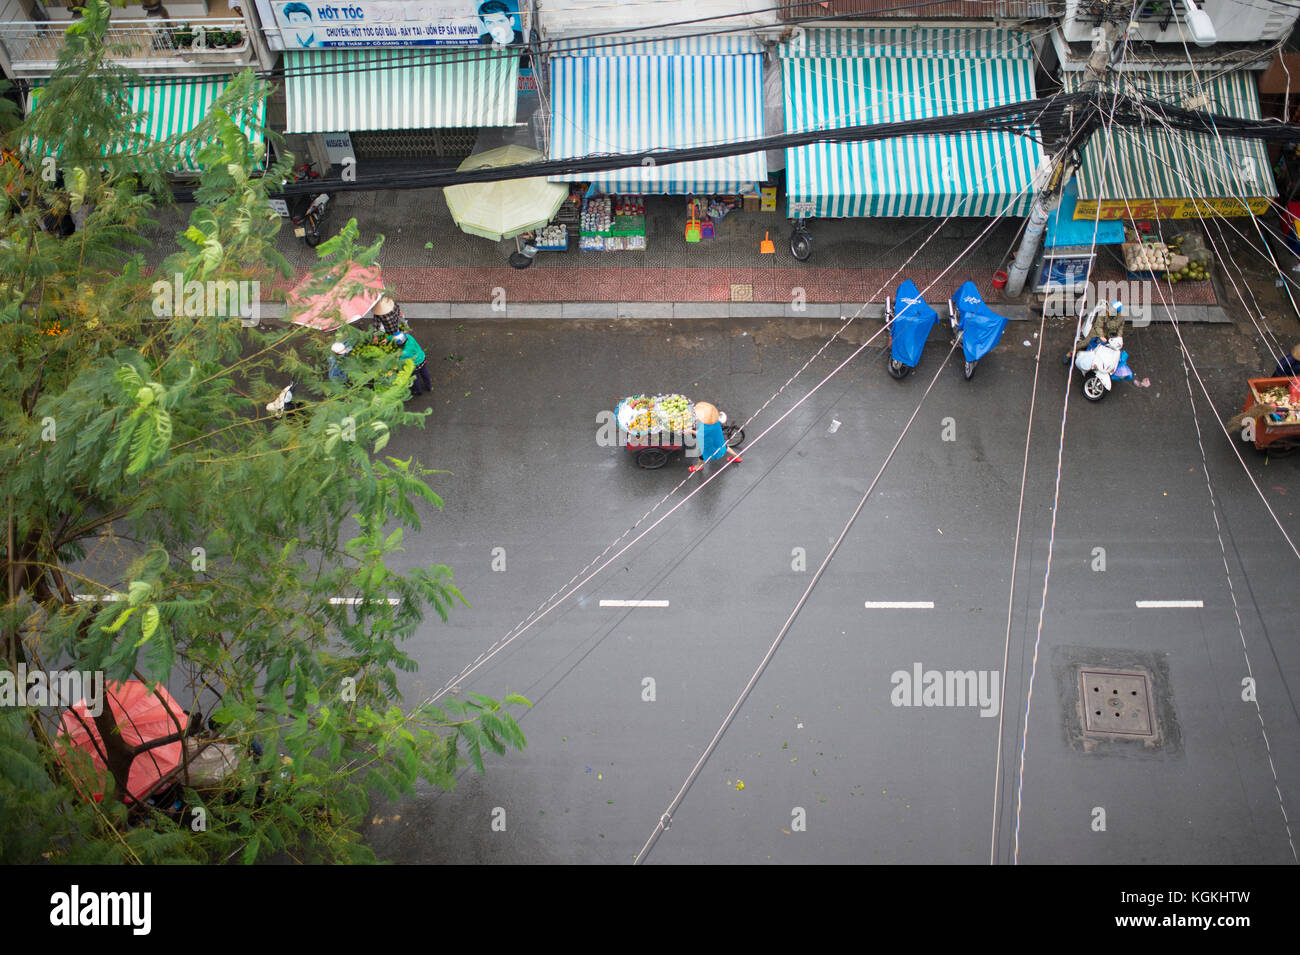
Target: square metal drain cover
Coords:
[(1117, 703)]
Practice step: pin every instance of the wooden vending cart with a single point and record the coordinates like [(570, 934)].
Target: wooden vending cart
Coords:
[(1274, 407)]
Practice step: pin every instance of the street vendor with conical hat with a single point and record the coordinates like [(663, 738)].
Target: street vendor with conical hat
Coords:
[(388, 317), (710, 437)]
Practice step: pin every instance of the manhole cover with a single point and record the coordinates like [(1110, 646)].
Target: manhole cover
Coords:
[(1116, 703), (742, 293)]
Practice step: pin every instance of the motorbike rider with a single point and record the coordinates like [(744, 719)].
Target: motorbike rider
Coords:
[(1106, 321)]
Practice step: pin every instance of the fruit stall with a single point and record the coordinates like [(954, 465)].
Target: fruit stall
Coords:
[(1183, 259)]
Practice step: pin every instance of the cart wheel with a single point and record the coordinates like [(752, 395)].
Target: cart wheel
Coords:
[(734, 435), (520, 261), (969, 370), (1282, 449), (652, 458), (801, 246), (898, 370), (1093, 389)]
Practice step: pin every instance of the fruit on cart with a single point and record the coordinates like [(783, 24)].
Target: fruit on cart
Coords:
[(674, 412)]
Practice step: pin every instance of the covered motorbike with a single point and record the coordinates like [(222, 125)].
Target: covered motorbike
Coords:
[(978, 328), (910, 321)]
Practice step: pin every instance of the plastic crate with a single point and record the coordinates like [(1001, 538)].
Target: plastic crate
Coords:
[(629, 225)]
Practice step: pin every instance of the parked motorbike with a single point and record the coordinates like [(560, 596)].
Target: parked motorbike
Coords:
[(284, 401), (909, 327), (308, 211), (1098, 363), (801, 241), (977, 327)]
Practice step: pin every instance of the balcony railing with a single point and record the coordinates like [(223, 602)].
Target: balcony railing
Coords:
[(946, 10), (151, 42)]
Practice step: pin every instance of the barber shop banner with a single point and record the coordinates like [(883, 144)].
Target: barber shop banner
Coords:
[(315, 24)]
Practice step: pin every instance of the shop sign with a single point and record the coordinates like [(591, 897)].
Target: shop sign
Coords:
[(1169, 208), (338, 147), (316, 24)]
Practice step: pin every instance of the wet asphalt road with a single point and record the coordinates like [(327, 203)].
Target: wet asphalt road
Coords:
[(515, 408)]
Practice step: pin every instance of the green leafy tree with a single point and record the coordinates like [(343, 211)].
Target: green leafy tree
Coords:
[(140, 463)]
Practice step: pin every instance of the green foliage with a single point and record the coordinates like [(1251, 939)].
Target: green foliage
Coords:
[(133, 437)]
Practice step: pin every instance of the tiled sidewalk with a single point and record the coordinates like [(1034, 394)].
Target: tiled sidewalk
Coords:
[(728, 284), (854, 260)]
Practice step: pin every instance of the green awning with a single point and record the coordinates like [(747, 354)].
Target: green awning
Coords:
[(1152, 162), (330, 91), (171, 108), (841, 77)]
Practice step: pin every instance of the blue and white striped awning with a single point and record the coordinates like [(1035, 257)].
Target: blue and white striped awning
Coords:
[(837, 78), (629, 104), (725, 44)]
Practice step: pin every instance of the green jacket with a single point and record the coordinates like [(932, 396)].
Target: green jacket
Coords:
[(1107, 324), (411, 349)]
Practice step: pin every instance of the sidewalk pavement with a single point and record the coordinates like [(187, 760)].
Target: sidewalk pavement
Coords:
[(854, 261)]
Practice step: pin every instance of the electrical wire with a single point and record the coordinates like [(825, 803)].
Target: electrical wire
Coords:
[(665, 820), (1010, 117), (570, 588), (636, 35), (1051, 547), (1189, 364)]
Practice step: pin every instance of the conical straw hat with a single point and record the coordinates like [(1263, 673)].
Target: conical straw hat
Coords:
[(706, 413)]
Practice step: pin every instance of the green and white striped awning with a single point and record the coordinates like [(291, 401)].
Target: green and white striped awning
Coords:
[(350, 90), (839, 77), (1153, 162), (171, 108)]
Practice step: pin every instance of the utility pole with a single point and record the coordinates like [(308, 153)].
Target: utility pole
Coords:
[(1112, 31)]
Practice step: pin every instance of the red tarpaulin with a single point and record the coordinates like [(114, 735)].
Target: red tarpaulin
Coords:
[(347, 301), (143, 713)]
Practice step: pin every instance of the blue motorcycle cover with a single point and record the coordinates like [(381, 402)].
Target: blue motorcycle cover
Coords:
[(913, 320), (981, 327)]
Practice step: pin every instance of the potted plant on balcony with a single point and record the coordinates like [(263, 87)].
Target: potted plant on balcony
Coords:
[(210, 44), (182, 37)]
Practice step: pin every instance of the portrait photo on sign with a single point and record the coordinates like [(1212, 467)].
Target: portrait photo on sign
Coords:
[(499, 23)]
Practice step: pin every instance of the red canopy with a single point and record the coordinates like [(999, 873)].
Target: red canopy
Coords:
[(143, 713), (354, 293)]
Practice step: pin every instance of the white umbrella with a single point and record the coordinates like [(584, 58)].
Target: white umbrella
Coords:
[(502, 210)]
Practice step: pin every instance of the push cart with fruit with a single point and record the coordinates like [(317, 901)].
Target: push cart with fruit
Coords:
[(658, 428), (1274, 407)]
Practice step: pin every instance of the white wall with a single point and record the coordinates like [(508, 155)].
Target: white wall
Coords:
[(560, 17), (1235, 21)]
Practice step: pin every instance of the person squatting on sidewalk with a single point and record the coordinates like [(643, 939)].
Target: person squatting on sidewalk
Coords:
[(411, 350), (338, 351), (709, 434)]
